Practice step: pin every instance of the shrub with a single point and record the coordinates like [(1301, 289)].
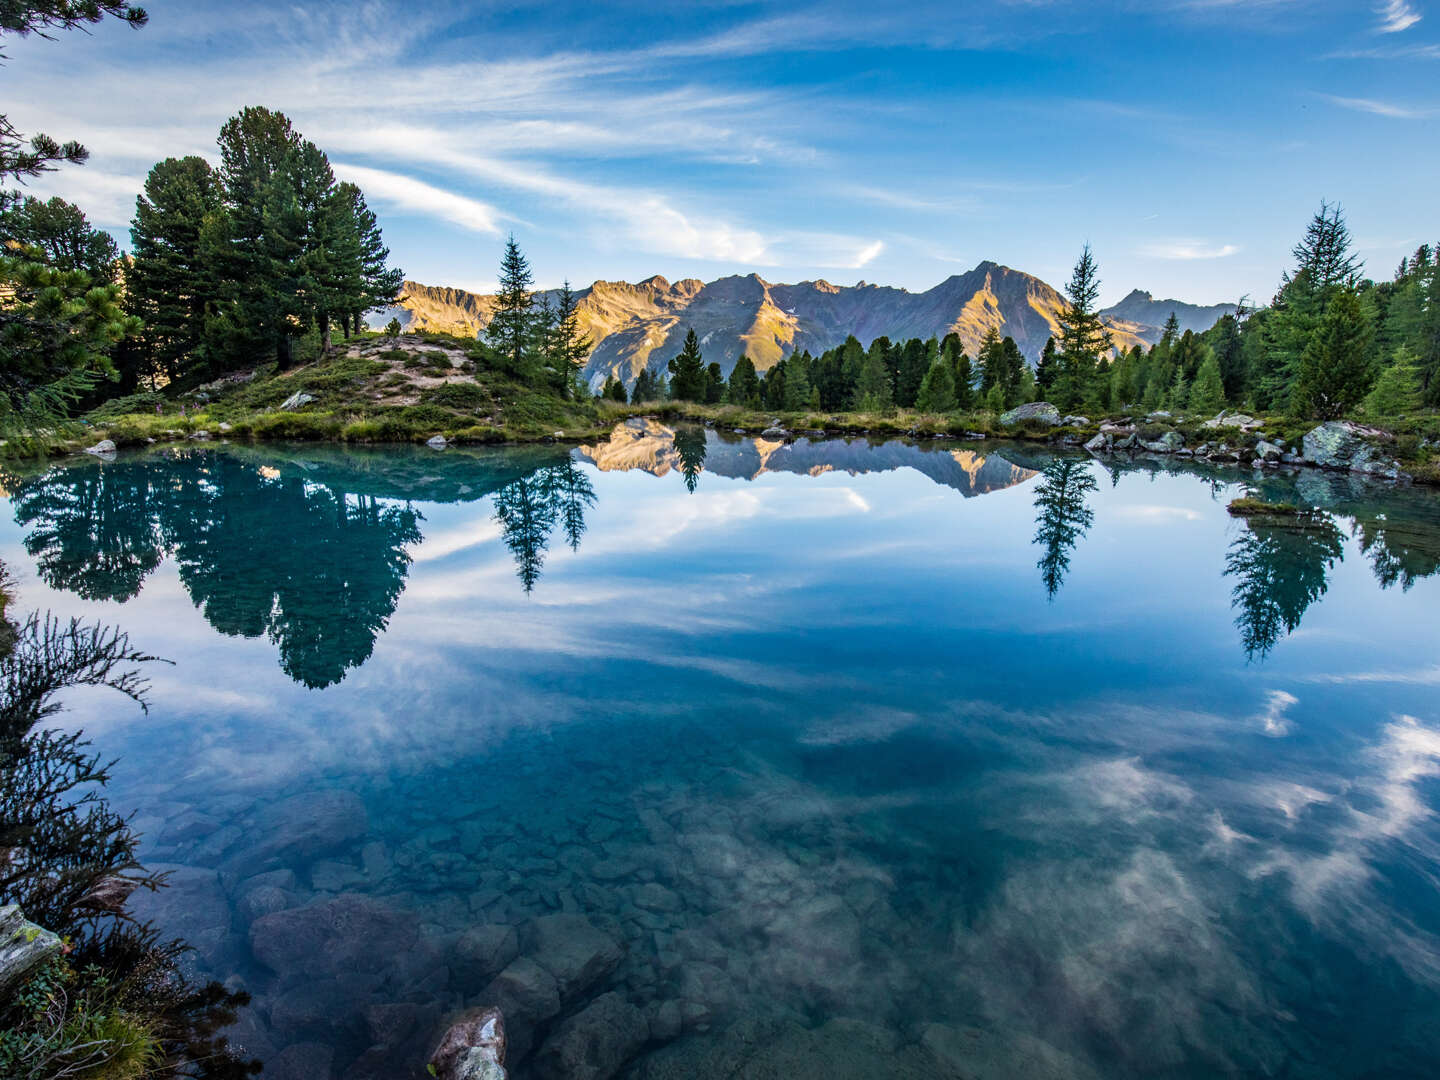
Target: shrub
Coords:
[(464, 395)]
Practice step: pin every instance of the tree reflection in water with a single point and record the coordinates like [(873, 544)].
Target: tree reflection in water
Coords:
[(1281, 566), (1062, 517)]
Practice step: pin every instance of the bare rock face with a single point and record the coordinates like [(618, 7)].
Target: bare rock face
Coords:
[(595, 1043), (473, 1048)]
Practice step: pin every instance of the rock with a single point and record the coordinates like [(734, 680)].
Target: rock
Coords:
[(1235, 420), (1340, 444), (983, 1055), (23, 947), (109, 894), (576, 952), (653, 896), (346, 934), (1268, 451), (1166, 444), (436, 442), (394, 1023), (665, 1021), (1041, 411), (224, 428), (1109, 428), (595, 1043), (775, 432), (263, 900), (1158, 414), (300, 1061), (199, 436), (304, 827), (481, 952), (297, 400), (329, 876), (192, 906), (1075, 421), (473, 1048), (1100, 444), (975, 435), (528, 996), (104, 446)]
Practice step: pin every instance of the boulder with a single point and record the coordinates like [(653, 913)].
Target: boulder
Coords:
[(1235, 420), (1166, 444), (595, 1043), (527, 995), (199, 436), (297, 400), (300, 1061), (436, 442), (304, 827), (481, 952), (104, 446), (1041, 411), (1100, 444), (776, 432), (23, 947), (1340, 444), (1075, 421), (576, 952), (349, 933), (1268, 451), (192, 906), (473, 1048)]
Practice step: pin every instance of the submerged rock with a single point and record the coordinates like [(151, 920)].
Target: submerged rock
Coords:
[(473, 1048), (1100, 444), (482, 952), (595, 1043), (576, 952), (1041, 411), (347, 934)]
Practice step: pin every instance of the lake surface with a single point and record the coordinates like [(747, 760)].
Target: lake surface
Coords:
[(710, 756)]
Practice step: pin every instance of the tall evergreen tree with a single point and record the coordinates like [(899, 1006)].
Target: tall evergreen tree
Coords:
[(1335, 370), (58, 234), (1048, 369), (1207, 395), (511, 331), (687, 371), (1083, 335), (569, 347), (937, 389), (743, 388)]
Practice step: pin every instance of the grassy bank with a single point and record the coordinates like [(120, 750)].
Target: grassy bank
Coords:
[(379, 389)]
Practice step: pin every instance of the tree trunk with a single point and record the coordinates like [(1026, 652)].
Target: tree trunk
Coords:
[(324, 332), (283, 352)]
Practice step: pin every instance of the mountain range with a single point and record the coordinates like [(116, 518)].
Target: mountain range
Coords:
[(634, 326)]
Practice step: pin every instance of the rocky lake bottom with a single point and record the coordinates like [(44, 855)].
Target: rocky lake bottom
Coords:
[(703, 756)]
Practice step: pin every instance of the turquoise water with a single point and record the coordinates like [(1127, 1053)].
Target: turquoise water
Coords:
[(826, 759)]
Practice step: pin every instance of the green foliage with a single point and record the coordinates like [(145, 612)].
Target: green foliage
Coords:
[(1398, 390), (743, 387), (1208, 394), (613, 390), (937, 388), (687, 371), (56, 233), (1083, 336), (1335, 371), (459, 395)]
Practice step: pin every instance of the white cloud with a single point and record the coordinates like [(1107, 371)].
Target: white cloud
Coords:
[(1395, 16), (1378, 108), (1272, 720), (407, 193), (1188, 250)]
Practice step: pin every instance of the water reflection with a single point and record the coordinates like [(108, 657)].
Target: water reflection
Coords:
[(690, 449), (529, 509), (1062, 518), (1281, 566)]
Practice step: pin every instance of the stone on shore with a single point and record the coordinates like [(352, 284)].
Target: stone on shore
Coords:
[(473, 1048), (297, 400), (1041, 411), (1340, 444), (104, 446), (23, 947)]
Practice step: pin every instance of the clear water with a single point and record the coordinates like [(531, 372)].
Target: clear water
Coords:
[(882, 759)]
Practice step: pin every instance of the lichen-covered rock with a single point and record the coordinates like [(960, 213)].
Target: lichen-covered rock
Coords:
[(1041, 411), (473, 1048), (1268, 451), (595, 1043), (776, 432), (1340, 444), (437, 442), (23, 947), (1167, 443)]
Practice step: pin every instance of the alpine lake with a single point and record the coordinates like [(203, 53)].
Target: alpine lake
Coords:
[(709, 756)]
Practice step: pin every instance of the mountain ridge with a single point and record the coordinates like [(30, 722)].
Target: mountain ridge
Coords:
[(642, 324)]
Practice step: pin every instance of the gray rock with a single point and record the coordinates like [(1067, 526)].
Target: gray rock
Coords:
[(775, 432), (304, 827), (653, 896), (297, 400), (1167, 443), (1041, 411), (261, 901), (1235, 420), (437, 442), (1340, 444), (473, 1048), (572, 949), (665, 1021), (346, 934), (527, 995), (104, 446), (595, 1043), (1158, 414), (300, 1061), (23, 946), (1075, 421), (329, 876), (199, 436), (481, 952), (983, 1055), (192, 906), (1268, 451), (1100, 444)]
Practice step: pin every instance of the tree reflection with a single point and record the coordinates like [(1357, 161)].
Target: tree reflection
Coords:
[(94, 535), (528, 510), (1062, 518), (690, 449), (1400, 551), (1281, 566)]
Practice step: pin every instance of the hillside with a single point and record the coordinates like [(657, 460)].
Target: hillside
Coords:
[(1142, 308), (643, 324)]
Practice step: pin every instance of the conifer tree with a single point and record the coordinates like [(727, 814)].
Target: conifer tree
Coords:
[(1335, 372), (58, 234), (1083, 336), (1207, 395), (873, 383), (613, 390), (1397, 392), (687, 371), (568, 346), (937, 388), (797, 384), (714, 384), (743, 388), (1048, 368), (511, 331)]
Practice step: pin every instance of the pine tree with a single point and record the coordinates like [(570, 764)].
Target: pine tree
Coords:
[(915, 359), (613, 390), (379, 283), (1323, 257), (1048, 369), (963, 372), (743, 388), (169, 283), (1207, 395), (688, 371), (512, 326), (1225, 341), (1335, 372), (873, 384), (646, 387), (797, 384), (569, 348), (937, 388), (58, 234), (1398, 391), (1083, 336), (714, 384)]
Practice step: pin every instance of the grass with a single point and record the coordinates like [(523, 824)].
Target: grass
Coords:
[(1254, 507)]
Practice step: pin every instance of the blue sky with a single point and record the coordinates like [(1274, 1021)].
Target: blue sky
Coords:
[(1188, 142)]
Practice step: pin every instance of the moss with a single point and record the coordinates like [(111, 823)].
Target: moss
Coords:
[(1247, 507)]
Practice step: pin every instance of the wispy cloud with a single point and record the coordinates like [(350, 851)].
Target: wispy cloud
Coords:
[(1188, 250), (1395, 16), (1277, 704), (1379, 108), (408, 194)]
